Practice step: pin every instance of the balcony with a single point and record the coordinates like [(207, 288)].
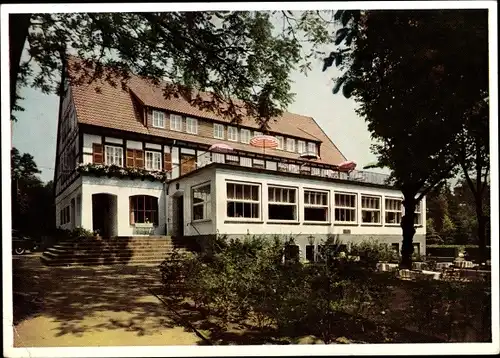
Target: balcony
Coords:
[(299, 167)]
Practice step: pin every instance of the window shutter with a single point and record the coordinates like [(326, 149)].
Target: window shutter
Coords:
[(139, 158), (167, 162), (97, 155), (130, 158)]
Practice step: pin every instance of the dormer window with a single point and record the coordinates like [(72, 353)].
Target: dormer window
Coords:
[(281, 142), (158, 119), (302, 146), (232, 134), (311, 148), (290, 145), (245, 136), (176, 122), (218, 131), (191, 125)]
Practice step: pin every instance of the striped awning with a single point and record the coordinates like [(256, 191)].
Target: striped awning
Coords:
[(264, 141), (347, 166)]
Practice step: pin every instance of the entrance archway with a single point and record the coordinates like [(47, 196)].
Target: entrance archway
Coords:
[(104, 214)]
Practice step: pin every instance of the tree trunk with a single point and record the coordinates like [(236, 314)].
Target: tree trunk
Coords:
[(481, 228), (18, 32), (408, 226)]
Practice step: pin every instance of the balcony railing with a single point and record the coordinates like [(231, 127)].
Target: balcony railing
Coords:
[(306, 168)]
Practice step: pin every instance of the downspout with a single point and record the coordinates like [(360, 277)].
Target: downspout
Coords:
[(166, 186)]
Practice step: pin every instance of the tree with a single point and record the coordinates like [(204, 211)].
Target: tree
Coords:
[(473, 157), (32, 201), (229, 53), (414, 86)]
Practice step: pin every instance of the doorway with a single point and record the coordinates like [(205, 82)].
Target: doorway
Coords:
[(104, 214)]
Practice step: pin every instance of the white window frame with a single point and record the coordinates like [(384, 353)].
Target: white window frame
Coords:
[(117, 153), (400, 211), (312, 148), (232, 134), (245, 135), (301, 147), (206, 202), (367, 209), (418, 214), (315, 192), (345, 207), (290, 147), (158, 119), (218, 131), (242, 200), (175, 122), (283, 201), (281, 142), (155, 159), (191, 125)]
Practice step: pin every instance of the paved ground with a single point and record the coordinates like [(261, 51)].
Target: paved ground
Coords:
[(90, 306)]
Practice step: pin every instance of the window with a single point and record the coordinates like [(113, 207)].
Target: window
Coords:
[(282, 203), (245, 136), (143, 209), (258, 163), (64, 216), (245, 162), (315, 206), (256, 133), (310, 253), (393, 211), (345, 208), (176, 122), (114, 155), (153, 160), (311, 147), (232, 159), (395, 248), (232, 134), (292, 253), (301, 146), (243, 201), (290, 145), (370, 209), (281, 142), (218, 131), (293, 168), (202, 209), (218, 158), (418, 214), (416, 249), (158, 119), (191, 125)]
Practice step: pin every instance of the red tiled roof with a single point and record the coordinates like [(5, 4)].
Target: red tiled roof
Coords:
[(113, 107)]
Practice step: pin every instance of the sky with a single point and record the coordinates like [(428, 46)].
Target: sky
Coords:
[(35, 132)]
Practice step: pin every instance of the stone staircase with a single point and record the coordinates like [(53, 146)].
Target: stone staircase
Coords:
[(134, 250)]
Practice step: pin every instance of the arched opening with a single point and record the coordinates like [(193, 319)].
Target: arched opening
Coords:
[(104, 214)]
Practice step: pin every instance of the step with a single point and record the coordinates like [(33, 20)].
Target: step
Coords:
[(93, 262)]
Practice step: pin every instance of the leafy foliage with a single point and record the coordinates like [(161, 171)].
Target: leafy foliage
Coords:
[(231, 54), (416, 102)]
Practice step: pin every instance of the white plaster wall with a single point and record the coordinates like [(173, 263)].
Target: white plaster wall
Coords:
[(264, 227), (185, 184), (132, 144), (153, 146), (114, 140), (123, 189)]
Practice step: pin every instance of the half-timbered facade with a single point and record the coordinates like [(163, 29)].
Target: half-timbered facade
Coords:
[(131, 162)]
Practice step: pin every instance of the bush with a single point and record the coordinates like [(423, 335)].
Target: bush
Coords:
[(371, 252)]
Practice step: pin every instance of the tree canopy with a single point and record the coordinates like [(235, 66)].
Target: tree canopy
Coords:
[(232, 54), (416, 76)]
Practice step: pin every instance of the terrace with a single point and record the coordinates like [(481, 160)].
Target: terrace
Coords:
[(293, 166)]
